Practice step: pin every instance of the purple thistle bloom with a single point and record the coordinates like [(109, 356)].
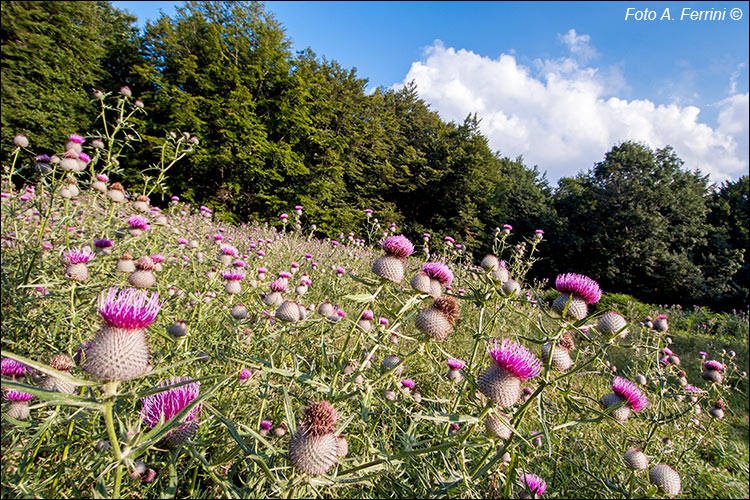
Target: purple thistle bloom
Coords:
[(284, 217), (278, 285), (102, 178), (262, 270), (138, 222), (713, 365), (103, 243), (84, 157), (239, 263), (182, 241), (157, 258), (408, 383), (43, 159), (664, 360), (245, 374), (455, 364), (536, 484), (448, 239), (294, 265), (308, 256), (170, 403), (667, 351), (129, 308), (507, 227), (76, 138), (175, 198), (579, 285), (266, 424), (12, 395), (78, 255), (12, 368), (228, 250), (692, 388), (662, 316), (628, 390), (398, 246), (368, 314), (284, 274), (233, 275), (298, 207), (515, 358), (438, 271), (340, 270)]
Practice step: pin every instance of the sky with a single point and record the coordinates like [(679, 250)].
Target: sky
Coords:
[(557, 83)]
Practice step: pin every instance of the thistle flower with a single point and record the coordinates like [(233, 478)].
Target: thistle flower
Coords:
[(21, 141), (103, 246), (137, 225), (712, 371), (438, 271), (314, 448), (233, 281), (12, 368), (717, 410), (143, 276), (624, 390), (119, 351), (580, 290), (661, 324), (77, 258), (63, 363), (289, 311), (408, 383), (438, 320), (166, 405), (390, 266), (19, 406), (534, 484), (454, 369), (501, 382)]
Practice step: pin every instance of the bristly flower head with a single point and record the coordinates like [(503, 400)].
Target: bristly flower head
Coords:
[(438, 271), (170, 403), (515, 358), (278, 285), (408, 383), (628, 390), (692, 388), (580, 285), (455, 364), (228, 249), (76, 138), (138, 222), (713, 365), (12, 368), (536, 484), (233, 275), (320, 418), (17, 396), (398, 246), (78, 255), (245, 374), (129, 308), (103, 243)]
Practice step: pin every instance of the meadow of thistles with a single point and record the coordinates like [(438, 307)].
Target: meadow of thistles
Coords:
[(257, 362)]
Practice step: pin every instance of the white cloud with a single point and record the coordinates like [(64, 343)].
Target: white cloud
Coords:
[(578, 44), (564, 117)]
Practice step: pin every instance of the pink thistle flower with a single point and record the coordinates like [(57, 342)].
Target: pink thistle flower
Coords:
[(579, 285), (283, 217), (266, 425), (295, 265), (703, 354), (667, 351), (455, 364), (262, 270), (285, 275), (278, 285), (175, 198), (448, 239), (84, 157), (12, 395), (692, 388), (239, 263), (713, 365), (102, 178), (228, 250), (76, 138), (398, 246), (12, 368), (261, 253), (438, 271), (534, 483), (233, 275), (629, 391), (245, 374), (664, 360), (308, 256), (515, 359), (138, 222), (129, 308), (165, 405), (408, 383), (340, 271), (78, 255), (383, 321), (368, 211), (157, 258), (662, 316), (25, 197), (507, 227), (182, 241), (368, 314), (218, 237)]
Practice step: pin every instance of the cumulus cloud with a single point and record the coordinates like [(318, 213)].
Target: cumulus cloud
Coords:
[(564, 116), (578, 44)]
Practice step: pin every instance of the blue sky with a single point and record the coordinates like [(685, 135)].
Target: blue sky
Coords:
[(558, 83)]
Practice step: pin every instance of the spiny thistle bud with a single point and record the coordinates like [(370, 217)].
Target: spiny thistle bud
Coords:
[(495, 427), (63, 363), (178, 329), (661, 324), (712, 371), (561, 355), (490, 263), (390, 361), (511, 288), (143, 277), (437, 321), (717, 410), (288, 311), (636, 459), (141, 203), (666, 478), (239, 311), (315, 447), (611, 323)]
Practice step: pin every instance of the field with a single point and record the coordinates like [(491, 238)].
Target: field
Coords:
[(427, 441)]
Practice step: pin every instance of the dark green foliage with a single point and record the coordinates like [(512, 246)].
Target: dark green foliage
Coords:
[(53, 55)]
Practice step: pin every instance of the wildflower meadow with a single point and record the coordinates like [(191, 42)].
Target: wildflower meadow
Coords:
[(151, 350)]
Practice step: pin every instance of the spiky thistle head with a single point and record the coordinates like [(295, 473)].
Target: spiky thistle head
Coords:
[(398, 246), (128, 308), (169, 403), (319, 418), (78, 255), (455, 364), (138, 222), (408, 383), (630, 392), (62, 362), (438, 271), (103, 243), (713, 365), (233, 275), (448, 306), (566, 342), (515, 358), (534, 483), (579, 285), (12, 368), (145, 263), (12, 395), (227, 249), (278, 285)]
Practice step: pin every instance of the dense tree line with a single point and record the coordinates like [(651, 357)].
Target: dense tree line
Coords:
[(279, 129)]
